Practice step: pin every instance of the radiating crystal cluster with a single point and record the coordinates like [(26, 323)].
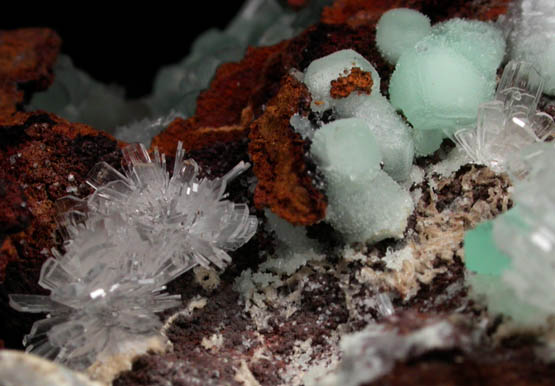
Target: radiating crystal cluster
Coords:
[(77, 97), (513, 257), (124, 243), (440, 81), (530, 26), (510, 122)]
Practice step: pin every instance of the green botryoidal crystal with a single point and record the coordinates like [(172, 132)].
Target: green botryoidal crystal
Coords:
[(512, 258), (481, 255), (319, 74), (440, 81), (488, 264), (364, 203), (398, 30)]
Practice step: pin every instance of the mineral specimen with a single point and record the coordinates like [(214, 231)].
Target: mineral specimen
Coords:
[(510, 122), (124, 243), (364, 203), (320, 74), (398, 30), (440, 81), (392, 133), (530, 27), (517, 250)]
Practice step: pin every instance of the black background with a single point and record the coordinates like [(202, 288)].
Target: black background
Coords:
[(125, 46)]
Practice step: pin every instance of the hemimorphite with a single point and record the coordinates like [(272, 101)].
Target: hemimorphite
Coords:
[(364, 203), (400, 29), (321, 72), (346, 148), (438, 88), (393, 135)]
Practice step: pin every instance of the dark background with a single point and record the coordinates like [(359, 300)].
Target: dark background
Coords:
[(126, 46)]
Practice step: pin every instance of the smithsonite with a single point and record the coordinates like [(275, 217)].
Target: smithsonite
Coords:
[(364, 203), (321, 72), (480, 42), (481, 255), (346, 148), (392, 133), (398, 30), (437, 88)]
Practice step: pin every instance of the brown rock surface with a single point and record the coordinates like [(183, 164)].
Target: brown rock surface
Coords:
[(26, 60), (355, 81), (284, 181), (220, 113)]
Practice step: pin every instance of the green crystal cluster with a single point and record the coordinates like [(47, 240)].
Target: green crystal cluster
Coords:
[(365, 202), (511, 260), (440, 80)]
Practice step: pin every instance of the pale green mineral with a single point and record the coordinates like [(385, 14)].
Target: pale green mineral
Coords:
[(437, 88), (369, 211), (426, 142), (400, 29), (439, 83), (481, 43), (321, 72), (364, 203), (346, 148), (393, 135)]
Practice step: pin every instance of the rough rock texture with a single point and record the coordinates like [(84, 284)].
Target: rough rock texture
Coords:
[(275, 333), (38, 154), (284, 178), (220, 112), (354, 81), (26, 60)]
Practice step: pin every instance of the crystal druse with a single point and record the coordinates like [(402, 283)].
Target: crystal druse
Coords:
[(397, 223)]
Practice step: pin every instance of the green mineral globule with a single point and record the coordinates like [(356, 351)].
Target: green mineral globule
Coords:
[(481, 255), (438, 88), (480, 42), (321, 72), (364, 203), (392, 133), (400, 29), (347, 148), (439, 83)]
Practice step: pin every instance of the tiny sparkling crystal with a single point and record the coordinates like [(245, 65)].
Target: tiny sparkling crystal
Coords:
[(510, 122)]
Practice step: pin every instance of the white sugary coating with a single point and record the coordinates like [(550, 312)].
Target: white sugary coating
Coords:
[(346, 148), (392, 133)]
